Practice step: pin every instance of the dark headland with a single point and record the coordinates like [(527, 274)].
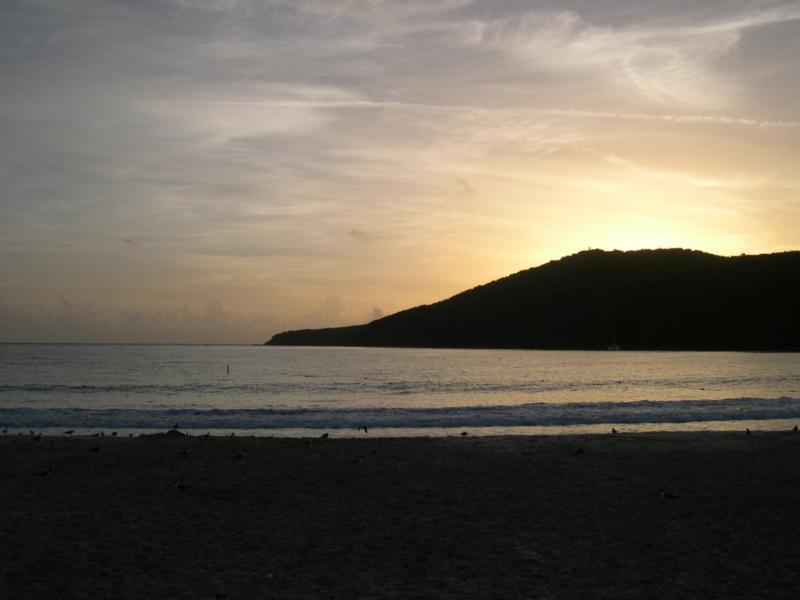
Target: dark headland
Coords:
[(672, 299)]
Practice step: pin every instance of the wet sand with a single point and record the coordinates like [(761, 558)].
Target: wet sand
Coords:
[(505, 518)]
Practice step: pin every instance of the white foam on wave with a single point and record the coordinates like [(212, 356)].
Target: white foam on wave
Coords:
[(531, 414)]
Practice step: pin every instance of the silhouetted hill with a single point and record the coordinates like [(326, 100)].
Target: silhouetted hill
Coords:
[(649, 299)]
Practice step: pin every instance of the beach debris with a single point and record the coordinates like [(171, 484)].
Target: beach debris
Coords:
[(580, 449), (95, 449), (614, 431), (667, 495), (324, 436), (239, 455), (207, 434), (186, 452), (463, 434), (69, 432), (113, 434), (5, 430), (37, 437), (794, 429), (748, 432), (175, 426), (44, 472), (180, 486)]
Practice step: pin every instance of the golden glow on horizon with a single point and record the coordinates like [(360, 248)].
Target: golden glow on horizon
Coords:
[(247, 185)]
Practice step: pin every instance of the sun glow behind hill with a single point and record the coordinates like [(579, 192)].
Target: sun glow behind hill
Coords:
[(219, 171)]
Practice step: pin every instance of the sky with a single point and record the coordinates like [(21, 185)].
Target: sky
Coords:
[(216, 171)]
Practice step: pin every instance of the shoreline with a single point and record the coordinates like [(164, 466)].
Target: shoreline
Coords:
[(483, 432), (488, 517)]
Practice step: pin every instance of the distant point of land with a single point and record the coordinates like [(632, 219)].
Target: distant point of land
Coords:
[(640, 300)]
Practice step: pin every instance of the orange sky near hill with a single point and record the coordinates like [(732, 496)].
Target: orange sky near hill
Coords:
[(220, 170)]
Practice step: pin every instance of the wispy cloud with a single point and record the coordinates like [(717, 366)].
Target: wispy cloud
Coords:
[(277, 154), (671, 65)]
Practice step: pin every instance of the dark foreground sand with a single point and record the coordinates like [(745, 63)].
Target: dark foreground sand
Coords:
[(498, 518)]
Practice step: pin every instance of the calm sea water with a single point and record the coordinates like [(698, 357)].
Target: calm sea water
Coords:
[(301, 391)]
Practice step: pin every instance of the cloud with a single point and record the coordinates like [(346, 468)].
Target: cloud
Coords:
[(87, 322), (667, 64), (327, 314), (377, 10), (732, 182), (362, 236), (464, 186), (273, 151)]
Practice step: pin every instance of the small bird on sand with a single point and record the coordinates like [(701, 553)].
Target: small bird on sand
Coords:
[(238, 455), (37, 437), (180, 486), (580, 449), (206, 434), (44, 473), (186, 452), (95, 435), (464, 434), (114, 434), (95, 449), (324, 436), (794, 429), (365, 429), (613, 431), (175, 426), (5, 430), (666, 495), (747, 431), (69, 432)]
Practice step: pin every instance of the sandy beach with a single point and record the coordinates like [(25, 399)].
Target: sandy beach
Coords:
[(511, 517)]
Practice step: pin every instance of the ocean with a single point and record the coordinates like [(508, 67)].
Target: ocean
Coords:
[(294, 391)]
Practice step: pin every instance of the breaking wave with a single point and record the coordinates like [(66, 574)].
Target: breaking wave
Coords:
[(531, 414)]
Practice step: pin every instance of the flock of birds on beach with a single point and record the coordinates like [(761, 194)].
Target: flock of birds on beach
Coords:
[(182, 486)]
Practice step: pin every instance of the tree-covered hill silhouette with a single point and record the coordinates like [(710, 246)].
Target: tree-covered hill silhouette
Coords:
[(645, 299)]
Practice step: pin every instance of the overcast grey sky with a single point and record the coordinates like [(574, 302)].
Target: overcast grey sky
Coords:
[(219, 170)]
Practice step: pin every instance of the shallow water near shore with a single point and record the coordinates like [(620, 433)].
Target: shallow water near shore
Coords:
[(266, 391)]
